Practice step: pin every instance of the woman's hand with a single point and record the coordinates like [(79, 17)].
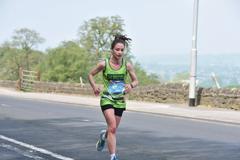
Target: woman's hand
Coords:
[(128, 88), (96, 91)]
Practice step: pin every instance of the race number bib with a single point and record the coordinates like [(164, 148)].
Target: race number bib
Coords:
[(116, 87)]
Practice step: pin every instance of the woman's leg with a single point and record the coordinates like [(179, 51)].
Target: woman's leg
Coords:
[(112, 123), (118, 120)]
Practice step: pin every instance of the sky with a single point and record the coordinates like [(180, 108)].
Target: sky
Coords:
[(155, 26)]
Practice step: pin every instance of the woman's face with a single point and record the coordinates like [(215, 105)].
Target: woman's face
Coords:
[(118, 51)]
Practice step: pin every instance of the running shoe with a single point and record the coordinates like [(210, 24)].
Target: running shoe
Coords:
[(114, 158), (101, 141)]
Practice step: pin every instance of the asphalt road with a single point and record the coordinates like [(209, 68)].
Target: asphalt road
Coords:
[(42, 130)]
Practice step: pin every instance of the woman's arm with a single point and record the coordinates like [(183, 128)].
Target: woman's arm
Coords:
[(133, 76), (100, 66)]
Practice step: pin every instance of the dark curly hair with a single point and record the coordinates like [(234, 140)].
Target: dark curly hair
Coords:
[(120, 39)]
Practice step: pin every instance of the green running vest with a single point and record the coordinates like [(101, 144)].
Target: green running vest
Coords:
[(113, 81)]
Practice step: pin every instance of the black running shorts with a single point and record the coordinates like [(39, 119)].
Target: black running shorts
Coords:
[(117, 111)]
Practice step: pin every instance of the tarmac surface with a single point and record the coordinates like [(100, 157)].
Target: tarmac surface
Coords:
[(49, 126), (178, 110)]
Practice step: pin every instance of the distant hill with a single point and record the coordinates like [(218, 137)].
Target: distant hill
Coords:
[(225, 66)]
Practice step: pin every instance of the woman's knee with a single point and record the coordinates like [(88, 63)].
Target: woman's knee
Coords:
[(112, 129)]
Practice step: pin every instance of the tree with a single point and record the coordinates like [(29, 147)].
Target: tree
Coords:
[(144, 78), (97, 34), (26, 40), (11, 59), (66, 63)]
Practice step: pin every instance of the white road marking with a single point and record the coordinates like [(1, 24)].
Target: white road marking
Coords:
[(5, 105), (28, 153), (41, 150)]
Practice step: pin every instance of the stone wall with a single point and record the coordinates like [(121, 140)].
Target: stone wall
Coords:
[(59, 87), (164, 93), (8, 84), (223, 98), (178, 93)]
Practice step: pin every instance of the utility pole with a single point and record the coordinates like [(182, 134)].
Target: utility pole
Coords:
[(193, 69)]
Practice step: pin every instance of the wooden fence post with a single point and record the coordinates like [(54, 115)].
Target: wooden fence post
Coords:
[(81, 82), (38, 75), (20, 77)]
